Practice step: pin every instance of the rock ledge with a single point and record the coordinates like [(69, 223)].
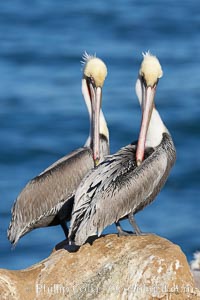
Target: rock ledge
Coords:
[(145, 267)]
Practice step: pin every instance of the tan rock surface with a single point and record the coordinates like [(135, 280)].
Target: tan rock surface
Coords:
[(146, 267)]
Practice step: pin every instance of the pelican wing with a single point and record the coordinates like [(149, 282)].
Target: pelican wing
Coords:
[(103, 179), (44, 196), (116, 188)]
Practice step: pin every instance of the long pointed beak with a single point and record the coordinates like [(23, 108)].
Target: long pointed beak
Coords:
[(96, 95), (146, 117)]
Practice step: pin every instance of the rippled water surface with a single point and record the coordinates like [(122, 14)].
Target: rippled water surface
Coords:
[(43, 116)]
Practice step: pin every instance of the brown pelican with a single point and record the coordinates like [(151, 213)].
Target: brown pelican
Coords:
[(48, 198), (124, 183)]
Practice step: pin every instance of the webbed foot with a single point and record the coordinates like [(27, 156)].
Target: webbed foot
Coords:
[(122, 232)]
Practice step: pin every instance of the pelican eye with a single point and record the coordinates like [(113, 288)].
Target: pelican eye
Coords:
[(155, 84), (143, 79), (92, 80)]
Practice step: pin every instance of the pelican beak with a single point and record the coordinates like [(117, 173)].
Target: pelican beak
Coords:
[(96, 96), (148, 104)]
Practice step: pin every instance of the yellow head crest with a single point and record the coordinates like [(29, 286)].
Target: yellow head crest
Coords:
[(95, 68), (150, 69)]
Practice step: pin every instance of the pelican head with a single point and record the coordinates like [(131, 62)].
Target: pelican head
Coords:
[(94, 70), (150, 69), (94, 74), (149, 74)]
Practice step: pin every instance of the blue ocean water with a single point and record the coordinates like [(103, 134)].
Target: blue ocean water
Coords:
[(43, 116)]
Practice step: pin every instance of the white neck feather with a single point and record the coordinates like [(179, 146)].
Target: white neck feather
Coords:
[(103, 125), (155, 130), (86, 96)]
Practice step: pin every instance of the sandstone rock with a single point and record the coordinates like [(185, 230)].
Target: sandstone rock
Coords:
[(145, 267)]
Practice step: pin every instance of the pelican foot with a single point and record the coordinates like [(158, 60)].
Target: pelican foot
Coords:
[(62, 244), (126, 233), (122, 232), (145, 233), (71, 247), (134, 225)]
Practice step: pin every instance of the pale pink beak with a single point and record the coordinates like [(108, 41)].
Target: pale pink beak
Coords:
[(96, 95), (146, 117)]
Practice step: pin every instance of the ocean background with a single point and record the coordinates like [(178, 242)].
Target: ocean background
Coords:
[(43, 115)]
